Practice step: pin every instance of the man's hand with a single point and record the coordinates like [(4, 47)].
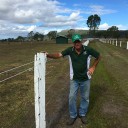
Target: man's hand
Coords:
[(91, 70)]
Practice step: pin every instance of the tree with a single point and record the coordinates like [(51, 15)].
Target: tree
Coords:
[(38, 37), (113, 32), (10, 39), (30, 35), (52, 34), (102, 34), (126, 34), (93, 23), (20, 39), (113, 28)]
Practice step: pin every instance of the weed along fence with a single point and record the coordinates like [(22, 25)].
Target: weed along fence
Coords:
[(119, 43)]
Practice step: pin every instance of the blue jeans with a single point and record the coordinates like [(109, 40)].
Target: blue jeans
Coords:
[(84, 93)]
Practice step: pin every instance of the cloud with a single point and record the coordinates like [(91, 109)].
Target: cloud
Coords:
[(105, 26), (61, 20), (74, 16), (100, 10), (28, 13), (82, 28), (122, 27)]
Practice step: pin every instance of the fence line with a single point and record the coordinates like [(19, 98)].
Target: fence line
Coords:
[(20, 72), (15, 119), (16, 68), (17, 74), (29, 69), (114, 42)]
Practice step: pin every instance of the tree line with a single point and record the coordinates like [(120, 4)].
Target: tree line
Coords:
[(31, 36), (92, 22)]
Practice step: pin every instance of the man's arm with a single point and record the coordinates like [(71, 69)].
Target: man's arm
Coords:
[(93, 67), (54, 55)]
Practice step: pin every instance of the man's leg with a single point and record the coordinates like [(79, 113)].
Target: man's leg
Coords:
[(84, 91), (72, 98)]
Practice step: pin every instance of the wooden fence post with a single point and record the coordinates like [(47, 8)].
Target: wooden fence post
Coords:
[(39, 89)]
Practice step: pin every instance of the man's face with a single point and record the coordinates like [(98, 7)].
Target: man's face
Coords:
[(77, 44)]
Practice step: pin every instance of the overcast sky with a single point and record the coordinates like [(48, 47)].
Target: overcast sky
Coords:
[(18, 17)]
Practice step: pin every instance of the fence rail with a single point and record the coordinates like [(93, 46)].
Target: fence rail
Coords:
[(120, 43)]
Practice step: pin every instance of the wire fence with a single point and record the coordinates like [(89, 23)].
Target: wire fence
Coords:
[(29, 69), (16, 68), (14, 102), (122, 43), (17, 97)]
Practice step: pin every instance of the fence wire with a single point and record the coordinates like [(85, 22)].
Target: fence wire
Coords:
[(16, 67), (13, 100), (19, 112), (29, 69)]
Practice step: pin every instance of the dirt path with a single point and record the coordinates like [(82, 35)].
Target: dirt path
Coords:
[(109, 92)]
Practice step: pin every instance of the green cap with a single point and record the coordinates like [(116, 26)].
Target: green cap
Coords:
[(76, 37)]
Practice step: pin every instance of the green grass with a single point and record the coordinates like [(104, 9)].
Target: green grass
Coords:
[(108, 101)]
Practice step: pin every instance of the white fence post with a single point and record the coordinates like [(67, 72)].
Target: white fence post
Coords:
[(109, 41), (113, 42), (116, 42), (127, 45), (39, 89), (120, 43)]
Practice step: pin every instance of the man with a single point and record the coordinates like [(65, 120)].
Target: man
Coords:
[(80, 76)]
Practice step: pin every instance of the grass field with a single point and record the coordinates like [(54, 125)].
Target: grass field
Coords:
[(108, 97), (17, 94)]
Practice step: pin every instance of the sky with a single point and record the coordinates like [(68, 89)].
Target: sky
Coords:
[(19, 17)]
